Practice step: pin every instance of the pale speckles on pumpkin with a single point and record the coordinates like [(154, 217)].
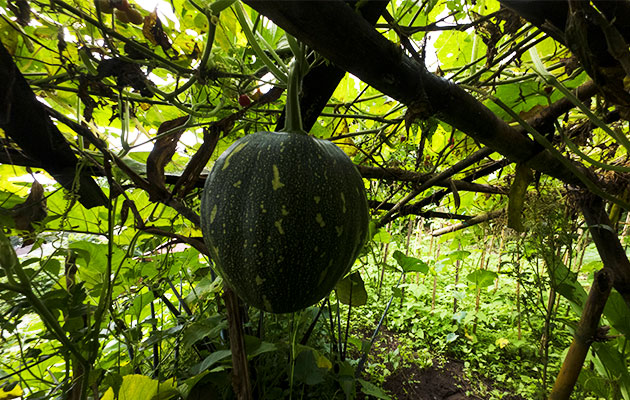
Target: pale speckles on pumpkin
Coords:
[(213, 213), (237, 184), (317, 199), (339, 230), (275, 183), (236, 150), (262, 208), (278, 225), (259, 280), (267, 304), (284, 210), (343, 203), (322, 276), (320, 220)]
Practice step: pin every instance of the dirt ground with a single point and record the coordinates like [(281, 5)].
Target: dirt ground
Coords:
[(445, 381)]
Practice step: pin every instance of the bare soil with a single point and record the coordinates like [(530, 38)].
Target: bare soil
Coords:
[(442, 381)]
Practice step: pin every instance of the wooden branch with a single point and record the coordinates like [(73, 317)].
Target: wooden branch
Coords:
[(196, 242), (343, 37), (402, 175), (610, 249), (585, 334), (13, 157), (473, 221), (459, 166), (25, 120), (321, 81), (374, 204)]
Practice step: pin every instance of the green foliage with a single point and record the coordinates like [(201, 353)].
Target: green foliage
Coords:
[(123, 302)]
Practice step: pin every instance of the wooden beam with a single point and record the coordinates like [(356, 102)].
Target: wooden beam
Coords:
[(339, 34)]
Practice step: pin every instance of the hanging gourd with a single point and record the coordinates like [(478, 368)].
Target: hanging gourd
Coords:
[(284, 214)]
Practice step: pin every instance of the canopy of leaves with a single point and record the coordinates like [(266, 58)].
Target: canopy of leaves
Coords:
[(112, 112)]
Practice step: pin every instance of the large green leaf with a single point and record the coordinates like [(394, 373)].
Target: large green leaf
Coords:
[(410, 264), (351, 290), (482, 278)]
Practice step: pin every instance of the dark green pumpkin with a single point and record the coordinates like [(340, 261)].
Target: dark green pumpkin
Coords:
[(284, 216)]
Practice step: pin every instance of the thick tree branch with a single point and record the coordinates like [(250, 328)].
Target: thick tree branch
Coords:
[(339, 34), (585, 334), (26, 122), (608, 245)]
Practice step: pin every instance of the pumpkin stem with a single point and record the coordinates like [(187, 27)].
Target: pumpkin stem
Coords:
[(293, 116)]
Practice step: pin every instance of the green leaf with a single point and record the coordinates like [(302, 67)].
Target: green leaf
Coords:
[(451, 337), (410, 264), (255, 346), (209, 327), (307, 370), (139, 302), (382, 236), (459, 316), (482, 278), (371, 389), (351, 290), (616, 312), (458, 255), (210, 361), (614, 366)]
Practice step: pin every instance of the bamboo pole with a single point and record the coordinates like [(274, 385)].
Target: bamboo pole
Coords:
[(437, 256), (585, 334), (240, 368)]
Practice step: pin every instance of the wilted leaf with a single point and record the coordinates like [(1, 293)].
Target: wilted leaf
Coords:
[(32, 210), (502, 342), (164, 149), (154, 31)]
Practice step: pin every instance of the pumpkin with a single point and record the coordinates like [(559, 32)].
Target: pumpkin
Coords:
[(284, 216)]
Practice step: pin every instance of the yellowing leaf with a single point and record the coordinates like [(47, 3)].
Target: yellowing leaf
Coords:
[(8, 36), (11, 391), (321, 361), (140, 387), (502, 342), (347, 145)]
